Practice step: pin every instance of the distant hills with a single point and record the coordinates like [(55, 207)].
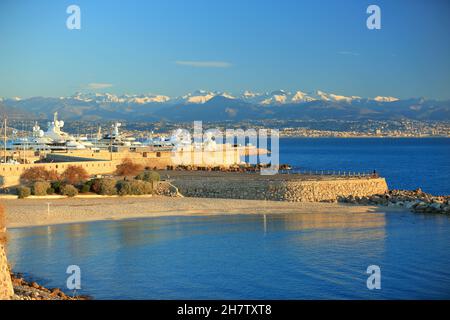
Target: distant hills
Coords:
[(219, 106)]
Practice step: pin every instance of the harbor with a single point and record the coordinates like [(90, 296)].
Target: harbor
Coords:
[(55, 149)]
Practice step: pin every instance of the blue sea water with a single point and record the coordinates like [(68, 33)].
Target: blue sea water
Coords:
[(285, 256), (277, 256), (407, 163)]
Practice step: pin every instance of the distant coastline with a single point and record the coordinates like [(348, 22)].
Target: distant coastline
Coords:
[(362, 137)]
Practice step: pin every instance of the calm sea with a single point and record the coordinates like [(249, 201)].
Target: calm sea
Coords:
[(276, 256), (407, 163), (294, 256)]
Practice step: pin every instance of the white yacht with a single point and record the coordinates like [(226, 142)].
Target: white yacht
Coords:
[(52, 139), (114, 138)]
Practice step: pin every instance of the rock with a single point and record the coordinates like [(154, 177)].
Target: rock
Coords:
[(410, 204), (17, 281), (436, 206), (55, 291)]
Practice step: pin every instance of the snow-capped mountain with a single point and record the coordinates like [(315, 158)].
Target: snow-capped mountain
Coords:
[(335, 97), (277, 97), (200, 97), (112, 98), (300, 96), (218, 105), (385, 99)]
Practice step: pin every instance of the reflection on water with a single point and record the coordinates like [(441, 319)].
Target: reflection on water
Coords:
[(292, 256)]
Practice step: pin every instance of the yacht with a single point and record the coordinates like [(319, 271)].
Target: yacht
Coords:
[(114, 138), (52, 139)]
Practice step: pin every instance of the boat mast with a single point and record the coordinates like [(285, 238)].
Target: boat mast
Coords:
[(110, 144), (4, 142)]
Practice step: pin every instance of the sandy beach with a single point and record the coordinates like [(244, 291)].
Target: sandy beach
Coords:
[(34, 212)]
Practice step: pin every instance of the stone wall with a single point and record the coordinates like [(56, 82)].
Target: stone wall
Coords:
[(105, 162), (161, 159), (289, 189), (10, 174), (6, 288)]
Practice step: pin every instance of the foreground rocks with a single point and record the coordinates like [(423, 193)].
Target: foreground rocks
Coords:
[(24, 290), (415, 200)]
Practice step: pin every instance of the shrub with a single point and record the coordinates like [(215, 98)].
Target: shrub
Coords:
[(40, 188), (138, 187), (134, 187), (148, 187), (34, 174), (95, 185), (23, 192), (150, 176), (128, 168), (50, 191), (123, 188), (85, 188), (69, 190), (106, 186), (52, 175), (56, 185), (75, 175), (141, 187)]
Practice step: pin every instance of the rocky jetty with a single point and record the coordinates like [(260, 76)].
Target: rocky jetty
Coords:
[(24, 290), (165, 188), (415, 200)]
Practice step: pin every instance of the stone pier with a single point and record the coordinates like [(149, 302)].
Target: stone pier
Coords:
[(280, 187)]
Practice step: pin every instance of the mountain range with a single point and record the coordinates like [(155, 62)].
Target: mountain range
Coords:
[(219, 106)]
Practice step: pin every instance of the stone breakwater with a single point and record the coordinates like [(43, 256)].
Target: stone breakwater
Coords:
[(24, 290), (281, 187), (416, 201)]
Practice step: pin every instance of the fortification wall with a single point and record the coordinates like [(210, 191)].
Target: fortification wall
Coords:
[(155, 159), (10, 174), (289, 189), (6, 288), (105, 162)]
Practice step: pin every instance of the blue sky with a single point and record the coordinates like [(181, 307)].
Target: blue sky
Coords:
[(176, 46)]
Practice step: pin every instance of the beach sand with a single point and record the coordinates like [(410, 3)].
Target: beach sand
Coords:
[(34, 212)]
